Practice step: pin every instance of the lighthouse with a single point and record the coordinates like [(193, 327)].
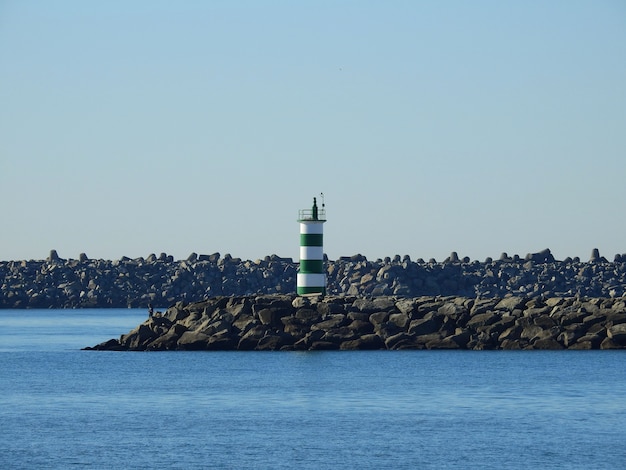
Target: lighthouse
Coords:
[(311, 276)]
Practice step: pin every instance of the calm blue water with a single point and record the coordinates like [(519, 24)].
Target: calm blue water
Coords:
[(65, 408)]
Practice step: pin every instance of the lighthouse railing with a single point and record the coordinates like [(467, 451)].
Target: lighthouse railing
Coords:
[(308, 214)]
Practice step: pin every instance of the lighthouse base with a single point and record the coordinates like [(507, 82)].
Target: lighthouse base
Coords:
[(311, 290)]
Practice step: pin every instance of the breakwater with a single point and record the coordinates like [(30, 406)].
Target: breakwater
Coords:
[(162, 281), (288, 322)]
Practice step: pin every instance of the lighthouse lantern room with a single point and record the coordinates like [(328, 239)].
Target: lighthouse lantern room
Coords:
[(311, 278)]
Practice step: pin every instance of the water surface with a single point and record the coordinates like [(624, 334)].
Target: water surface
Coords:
[(62, 407)]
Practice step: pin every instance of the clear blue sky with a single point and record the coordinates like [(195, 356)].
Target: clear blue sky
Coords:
[(137, 127)]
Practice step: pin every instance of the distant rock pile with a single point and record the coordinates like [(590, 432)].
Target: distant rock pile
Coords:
[(162, 281), (287, 322)]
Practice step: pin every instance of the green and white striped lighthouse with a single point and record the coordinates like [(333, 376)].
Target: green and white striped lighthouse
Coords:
[(311, 275)]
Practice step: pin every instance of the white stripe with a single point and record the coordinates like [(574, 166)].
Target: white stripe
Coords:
[(312, 252), (311, 280), (311, 227)]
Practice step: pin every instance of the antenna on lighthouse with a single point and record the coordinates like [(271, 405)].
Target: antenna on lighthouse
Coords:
[(322, 196)]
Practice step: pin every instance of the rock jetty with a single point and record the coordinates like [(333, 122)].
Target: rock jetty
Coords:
[(162, 281), (288, 322)]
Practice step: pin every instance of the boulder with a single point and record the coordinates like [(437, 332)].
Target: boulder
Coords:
[(193, 341), (295, 327), (511, 344), (483, 319), (569, 337), (510, 303), (361, 327), (547, 343), (378, 318), (543, 256), (358, 316), (139, 337), (593, 339), (451, 309), (54, 256), (399, 319), (406, 306), (387, 329), (461, 338), (424, 340), (308, 316), (544, 321), (333, 321), (617, 333), (595, 256), (250, 339), (513, 333), (339, 335), (500, 326), (267, 316), (443, 343), (530, 332), (424, 326), (168, 340), (400, 340), (221, 342), (364, 342), (323, 346), (609, 343), (274, 342), (243, 322), (483, 306)]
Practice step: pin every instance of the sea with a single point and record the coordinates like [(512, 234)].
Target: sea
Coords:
[(62, 407)]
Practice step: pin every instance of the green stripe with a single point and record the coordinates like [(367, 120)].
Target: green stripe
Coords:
[(311, 239), (311, 290), (311, 266)]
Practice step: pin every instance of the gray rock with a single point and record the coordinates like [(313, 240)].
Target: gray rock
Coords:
[(510, 303), (361, 327), (193, 341), (333, 321), (483, 319), (220, 342), (547, 343), (308, 316), (461, 339), (53, 256), (595, 256), (399, 319), (424, 326), (371, 306), (365, 342), (251, 338), (609, 343), (360, 316), (339, 335), (400, 340), (378, 318), (169, 340), (617, 333), (274, 342), (323, 346)]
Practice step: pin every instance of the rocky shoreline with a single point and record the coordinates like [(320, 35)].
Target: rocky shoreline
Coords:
[(162, 281), (288, 322)]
